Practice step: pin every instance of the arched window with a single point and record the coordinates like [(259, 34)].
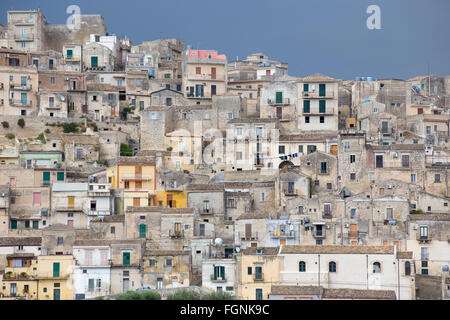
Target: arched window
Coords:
[(332, 266), (376, 267), (302, 266), (407, 268)]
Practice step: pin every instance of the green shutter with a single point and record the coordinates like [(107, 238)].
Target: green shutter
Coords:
[(60, 176), (142, 231), (305, 87), (126, 258), (27, 223), (46, 178), (91, 285), (306, 106), (322, 90), (55, 269), (279, 97), (35, 224), (222, 272), (94, 62), (13, 224), (216, 270), (69, 54), (322, 106)]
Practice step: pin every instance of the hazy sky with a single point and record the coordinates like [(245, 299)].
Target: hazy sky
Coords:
[(326, 36)]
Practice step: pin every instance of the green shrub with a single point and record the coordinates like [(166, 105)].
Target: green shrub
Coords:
[(47, 131), (5, 124), (69, 127), (417, 212), (218, 296), (184, 294), (10, 136), (21, 123), (125, 112), (144, 295), (41, 138), (125, 150)]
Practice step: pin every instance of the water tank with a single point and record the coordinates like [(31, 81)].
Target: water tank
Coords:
[(218, 241), (445, 268), (369, 79)]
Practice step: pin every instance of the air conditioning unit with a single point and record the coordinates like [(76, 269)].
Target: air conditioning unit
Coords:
[(346, 225), (389, 186), (396, 155), (291, 227), (328, 226), (67, 79), (415, 227), (29, 77)]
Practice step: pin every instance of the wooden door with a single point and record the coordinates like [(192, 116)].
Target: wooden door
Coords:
[(248, 230), (282, 242), (334, 150), (136, 202), (353, 230), (213, 73), (71, 203)]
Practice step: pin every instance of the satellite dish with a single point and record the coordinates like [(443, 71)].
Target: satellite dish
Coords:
[(63, 98), (218, 241), (238, 249), (445, 268), (243, 247)]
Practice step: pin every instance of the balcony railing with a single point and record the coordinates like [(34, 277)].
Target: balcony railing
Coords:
[(69, 208), (99, 212), (207, 211), (22, 87), (422, 238), (99, 193), (20, 103), (176, 233), (218, 279), (319, 234), (24, 37), (315, 94), (327, 215), (245, 236), (283, 234), (282, 101), (352, 234), (205, 77), (137, 177), (258, 277), (317, 111)]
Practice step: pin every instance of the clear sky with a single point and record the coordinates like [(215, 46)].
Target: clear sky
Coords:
[(326, 36)]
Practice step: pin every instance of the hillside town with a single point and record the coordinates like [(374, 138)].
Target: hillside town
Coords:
[(157, 166)]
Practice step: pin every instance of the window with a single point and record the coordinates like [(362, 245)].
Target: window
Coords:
[(35, 224), (352, 176), (198, 70), (413, 177), (319, 242), (306, 106), (281, 149), (113, 230), (376, 267), (389, 213), (405, 161), (306, 119), (60, 176), (316, 182), (437, 178), (423, 232), (249, 270), (379, 161), (60, 240), (332, 266), (258, 273), (52, 80), (168, 101), (302, 266), (329, 186), (352, 158), (300, 209), (407, 268), (263, 196), (300, 149), (353, 213), (323, 167), (322, 106), (168, 262), (230, 115), (238, 155)]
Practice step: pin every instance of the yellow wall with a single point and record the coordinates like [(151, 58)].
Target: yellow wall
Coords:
[(123, 171), (47, 281), (20, 284), (179, 197)]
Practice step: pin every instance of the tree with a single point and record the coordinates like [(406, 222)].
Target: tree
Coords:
[(125, 150), (5, 124), (145, 295), (21, 123), (184, 294), (69, 127)]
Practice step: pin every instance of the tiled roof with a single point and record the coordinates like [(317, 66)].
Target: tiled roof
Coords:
[(166, 252), (297, 290), (295, 249), (266, 251), (430, 216), (404, 255), (252, 120), (20, 241), (205, 187), (358, 294), (163, 210), (317, 77), (92, 242), (397, 147)]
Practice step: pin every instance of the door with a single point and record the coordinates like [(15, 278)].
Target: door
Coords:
[(379, 161), (94, 62), (353, 230), (202, 229), (334, 150), (279, 113), (322, 106), (248, 230), (282, 242), (213, 73), (258, 294), (136, 202), (46, 178), (12, 182), (126, 258), (126, 285), (159, 283), (142, 231), (213, 89), (322, 90), (23, 98), (279, 97), (71, 203), (91, 285), (70, 223), (55, 269), (384, 127), (319, 230), (69, 54)]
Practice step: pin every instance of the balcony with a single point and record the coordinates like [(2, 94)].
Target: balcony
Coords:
[(258, 277), (99, 212), (353, 234), (197, 77), (218, 279), (423, 239), (174, 188), (314, 111), (138, 177), (327, 215), (248, 236), (54, 107), (176, 233), (24, 37), (20, 103), (315, 95), (46, 183), (70, 59), (207, 211), (69, 208), (283, 101), (99, 193), (283, 234), (21, 87)]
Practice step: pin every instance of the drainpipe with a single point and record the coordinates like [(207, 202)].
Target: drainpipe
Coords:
[(398, 278), (367, 271), (318, 272)]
